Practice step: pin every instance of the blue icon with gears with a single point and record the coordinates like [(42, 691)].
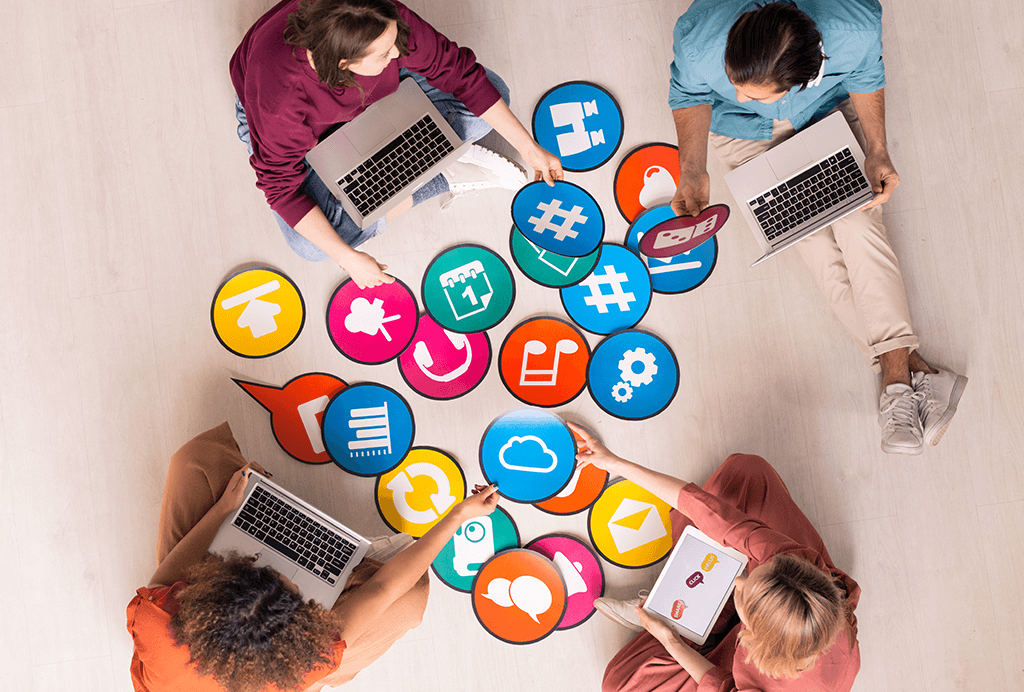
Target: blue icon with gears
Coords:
[(679, 273), (615, 296), (579, 122), (562, 218), (633, 375), (368, 429), (530, 454)]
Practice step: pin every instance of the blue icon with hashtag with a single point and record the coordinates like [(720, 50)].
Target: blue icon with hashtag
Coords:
[(615, 296), (562, 218)]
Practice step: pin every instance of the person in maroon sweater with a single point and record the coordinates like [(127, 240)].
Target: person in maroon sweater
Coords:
[(789, 625), (307, 65)]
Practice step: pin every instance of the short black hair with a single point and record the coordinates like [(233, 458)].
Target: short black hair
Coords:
[(777, 44)]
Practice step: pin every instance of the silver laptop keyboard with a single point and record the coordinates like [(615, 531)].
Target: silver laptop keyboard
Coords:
[(394, 167), (303, 539), (809, 194)]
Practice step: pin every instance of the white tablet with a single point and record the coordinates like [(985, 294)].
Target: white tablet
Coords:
[(695, 584)]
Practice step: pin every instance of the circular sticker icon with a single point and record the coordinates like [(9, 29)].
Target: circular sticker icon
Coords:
[(680, 273), (581, 123), (368, 429), (548, 268), (442, 364), (530, 454), (630, 526), (257, 313), (519, 596), (581, 571), (563, 218), (371, 325), (474, 543), (647, 177), (633, 375), (583, 489), (615, 296), (413, 496), (468, 289), (683, 233), (295, 411), (543, 362)]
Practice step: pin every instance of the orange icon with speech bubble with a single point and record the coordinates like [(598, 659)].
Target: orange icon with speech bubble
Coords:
[(543, 362), (519, 596), (647, 177), (296, 412)]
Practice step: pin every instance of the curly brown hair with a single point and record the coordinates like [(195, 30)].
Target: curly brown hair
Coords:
[(245, 627)]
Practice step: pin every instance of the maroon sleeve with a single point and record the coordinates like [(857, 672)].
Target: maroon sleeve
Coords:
[(446, 66), (717, 679)]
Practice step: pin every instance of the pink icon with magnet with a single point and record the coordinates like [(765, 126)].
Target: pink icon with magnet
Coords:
[(372, 325), (440, 364)]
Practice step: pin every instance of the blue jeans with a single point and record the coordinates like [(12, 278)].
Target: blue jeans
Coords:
[(466, 125)]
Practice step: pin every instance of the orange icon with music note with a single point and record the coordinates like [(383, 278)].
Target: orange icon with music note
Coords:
[(543, 362)]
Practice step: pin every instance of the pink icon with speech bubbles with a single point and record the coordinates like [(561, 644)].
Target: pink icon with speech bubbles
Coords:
[(581, 571), (440, 364), (296, 412), (372, 325)]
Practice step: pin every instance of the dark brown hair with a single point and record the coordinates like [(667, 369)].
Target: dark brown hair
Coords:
[(342, 30), (793, 612), (246, 628), (777, 44)]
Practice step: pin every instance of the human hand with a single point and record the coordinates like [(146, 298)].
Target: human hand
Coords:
[(658, 629), (231, 498), (693, 193), (546, 166), (482, 501), (592, 451), (882, 176), (365, 270)]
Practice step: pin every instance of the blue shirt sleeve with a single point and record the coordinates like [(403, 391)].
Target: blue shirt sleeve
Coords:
[(686, 87), (869, 76)]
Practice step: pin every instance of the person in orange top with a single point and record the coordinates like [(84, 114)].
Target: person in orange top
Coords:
[(212, 623), (789, 625)]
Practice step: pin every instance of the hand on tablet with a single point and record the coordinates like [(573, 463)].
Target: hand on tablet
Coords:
[(658, 629)]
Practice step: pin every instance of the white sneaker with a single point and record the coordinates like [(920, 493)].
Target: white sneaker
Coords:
[(940, 393), (622, 612), (900, 420), (383, 548), (481, 169)]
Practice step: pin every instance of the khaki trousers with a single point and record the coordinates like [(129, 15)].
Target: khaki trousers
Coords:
[(851, 260), (197, 476)]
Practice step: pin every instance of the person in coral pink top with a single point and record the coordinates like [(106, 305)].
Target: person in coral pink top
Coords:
[(789, 625)]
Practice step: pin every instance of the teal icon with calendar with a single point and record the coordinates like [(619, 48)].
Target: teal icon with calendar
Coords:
[(468, 289)]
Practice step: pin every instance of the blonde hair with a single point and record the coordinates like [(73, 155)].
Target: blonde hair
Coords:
[(793, 612)]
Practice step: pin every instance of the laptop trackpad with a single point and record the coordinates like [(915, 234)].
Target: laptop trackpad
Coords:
[(268, 558), (789, 158), (368, 130)]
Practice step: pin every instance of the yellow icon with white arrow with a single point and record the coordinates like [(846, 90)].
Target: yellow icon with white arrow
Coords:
[(414, 496)]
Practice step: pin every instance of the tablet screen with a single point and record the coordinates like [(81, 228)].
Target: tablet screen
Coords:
[(700, 575)]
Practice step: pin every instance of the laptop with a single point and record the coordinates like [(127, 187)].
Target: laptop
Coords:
[(302, 543), (389, 151), (798, 187)]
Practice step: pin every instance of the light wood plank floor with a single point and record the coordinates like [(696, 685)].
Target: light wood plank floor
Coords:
[(126, 199)]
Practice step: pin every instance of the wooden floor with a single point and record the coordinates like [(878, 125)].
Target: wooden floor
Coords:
[(126, 199)]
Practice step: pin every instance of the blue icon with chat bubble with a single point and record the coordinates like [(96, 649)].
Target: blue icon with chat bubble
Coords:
[(368, 429), (530, 454), (562, 218), (679, 273), (633, 375), (579, 122)]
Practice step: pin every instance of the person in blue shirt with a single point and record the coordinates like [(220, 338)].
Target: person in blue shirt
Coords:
[(750, 75)]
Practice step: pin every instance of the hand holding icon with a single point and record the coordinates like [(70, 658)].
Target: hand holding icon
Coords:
[(482, 502), (590, 450)]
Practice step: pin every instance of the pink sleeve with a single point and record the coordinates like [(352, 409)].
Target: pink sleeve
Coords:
[(447, 66), (717, 679), (734, 529)]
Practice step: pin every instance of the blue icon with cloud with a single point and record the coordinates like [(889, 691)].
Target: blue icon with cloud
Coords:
[(529, 453)]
